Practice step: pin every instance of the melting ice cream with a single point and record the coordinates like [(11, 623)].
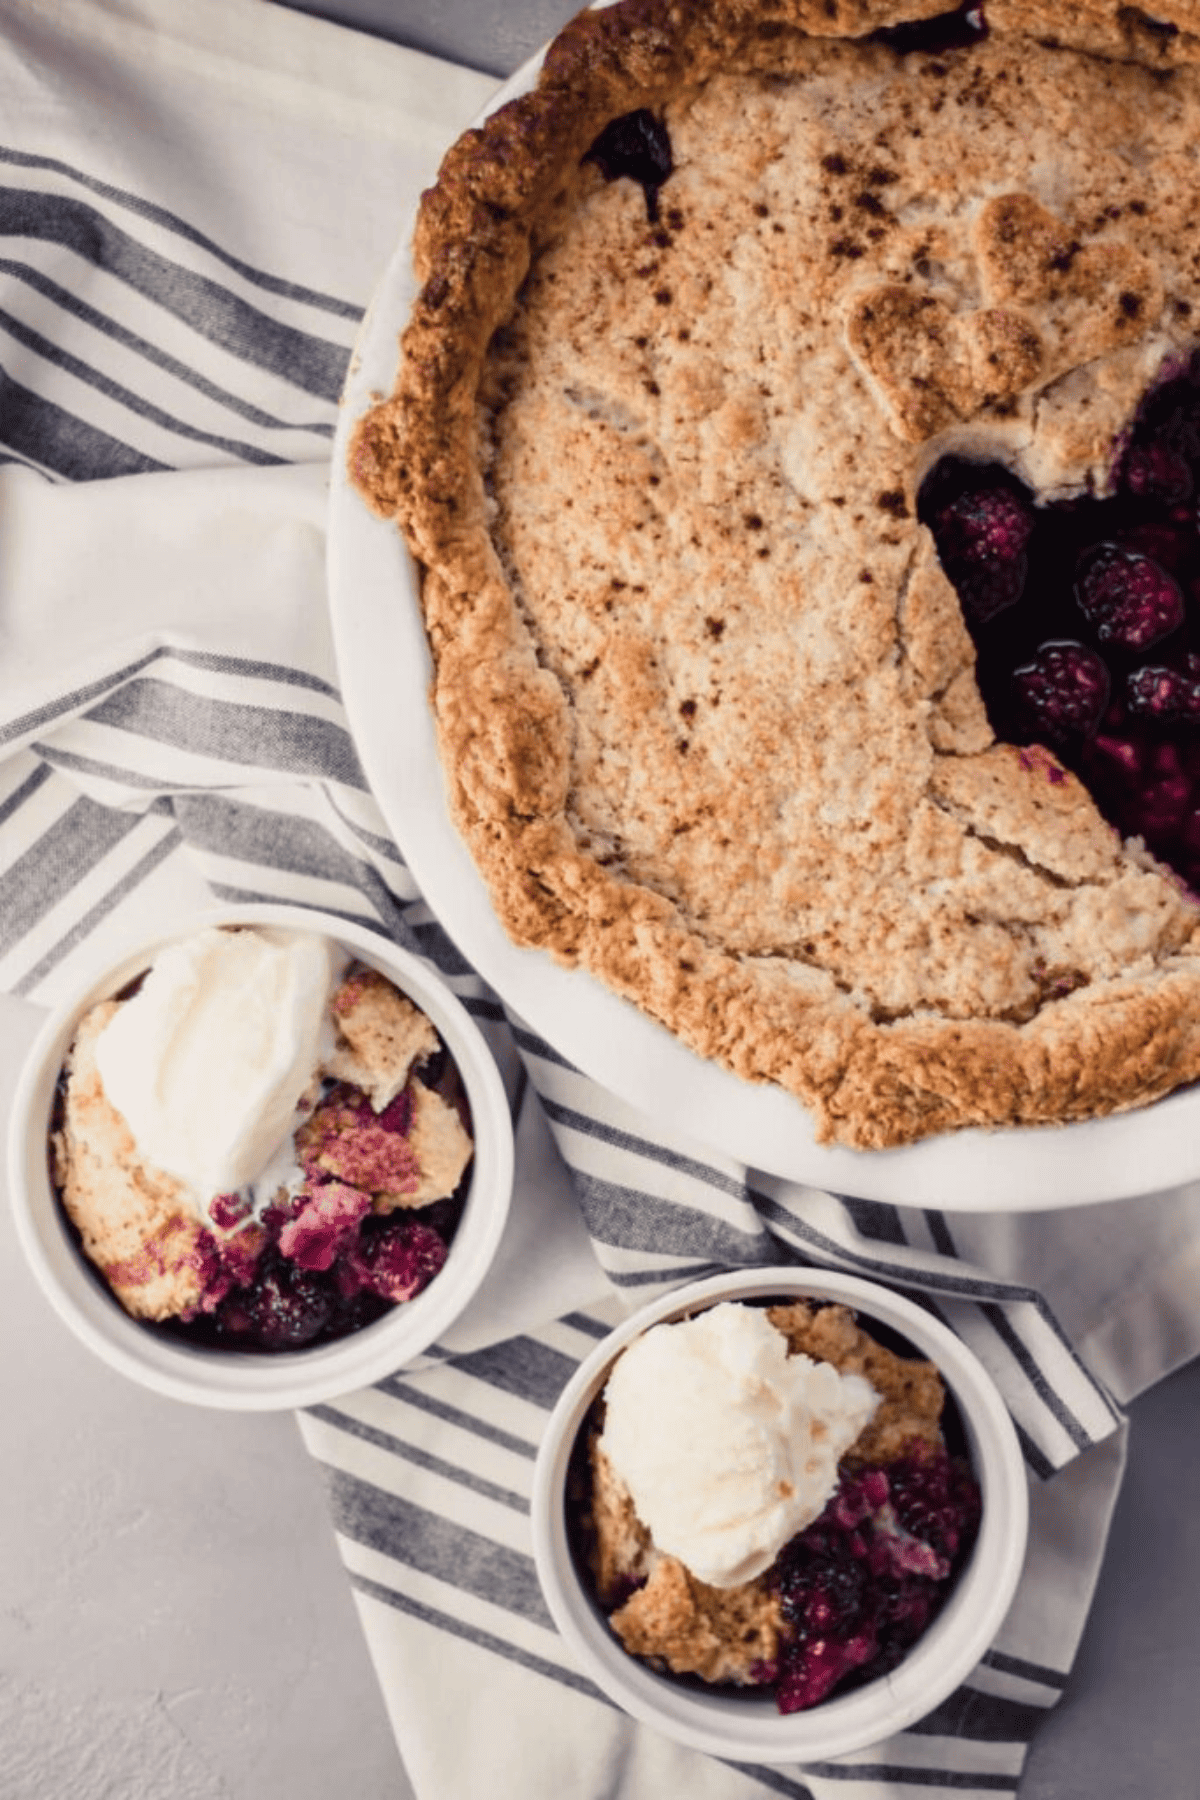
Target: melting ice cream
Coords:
[(728, 1446)]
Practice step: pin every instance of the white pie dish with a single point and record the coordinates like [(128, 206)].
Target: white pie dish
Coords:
[(378, 630)]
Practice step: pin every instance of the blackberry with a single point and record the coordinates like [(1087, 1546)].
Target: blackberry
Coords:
[(1064, 690), (401, 1260), (1128, 599), (982, 536), (285, 1307)]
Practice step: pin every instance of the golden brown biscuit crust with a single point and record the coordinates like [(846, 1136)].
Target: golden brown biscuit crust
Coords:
[(704, 696), (134, 1221), (380, 1034)]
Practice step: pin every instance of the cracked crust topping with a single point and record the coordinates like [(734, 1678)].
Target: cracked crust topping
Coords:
[(705, 698)]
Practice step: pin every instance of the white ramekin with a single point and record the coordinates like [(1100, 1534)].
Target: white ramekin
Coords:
[(747, 1727), (232, 1379)]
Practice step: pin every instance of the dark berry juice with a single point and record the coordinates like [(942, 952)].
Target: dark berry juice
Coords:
[(1085, 615)]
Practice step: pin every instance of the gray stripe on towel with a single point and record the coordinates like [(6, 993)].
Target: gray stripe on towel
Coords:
[(984, 1718), (254, 737), (212, 310), (67, 705), (79, 308), (159, 215), (629, 1220), (522, 1367), (400, 1389), (473, 1634), (224, 826), (123, 396), (421, 1459), (64, 856), (619, 1139), (47, 434), (411, 1535), (108, 902)]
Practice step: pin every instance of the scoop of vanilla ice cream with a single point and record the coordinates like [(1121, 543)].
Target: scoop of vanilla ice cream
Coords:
[(207, 1061), (728, 1446)]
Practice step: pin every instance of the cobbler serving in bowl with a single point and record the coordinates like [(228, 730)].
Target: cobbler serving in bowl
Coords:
[(765, 1497), (301, 1240), (793, 430), (779, 1514), (260, 1159)]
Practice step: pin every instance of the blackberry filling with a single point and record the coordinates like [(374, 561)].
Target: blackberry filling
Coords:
[(636, 145), (1085, 615), (323, 1265), (326, 1270), (860, 1585), (285, 1305), (956, 30)]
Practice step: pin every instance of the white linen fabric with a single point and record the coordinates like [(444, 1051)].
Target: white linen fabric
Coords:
[(194, 202)]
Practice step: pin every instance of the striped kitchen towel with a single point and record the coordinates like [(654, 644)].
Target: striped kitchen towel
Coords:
[(193, 205)]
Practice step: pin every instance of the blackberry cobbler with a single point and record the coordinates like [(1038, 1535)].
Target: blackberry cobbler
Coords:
[(841, 1600), (795, 434), (352, 1215)]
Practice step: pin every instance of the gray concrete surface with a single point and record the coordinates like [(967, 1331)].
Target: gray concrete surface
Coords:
[(1128, 1726)]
